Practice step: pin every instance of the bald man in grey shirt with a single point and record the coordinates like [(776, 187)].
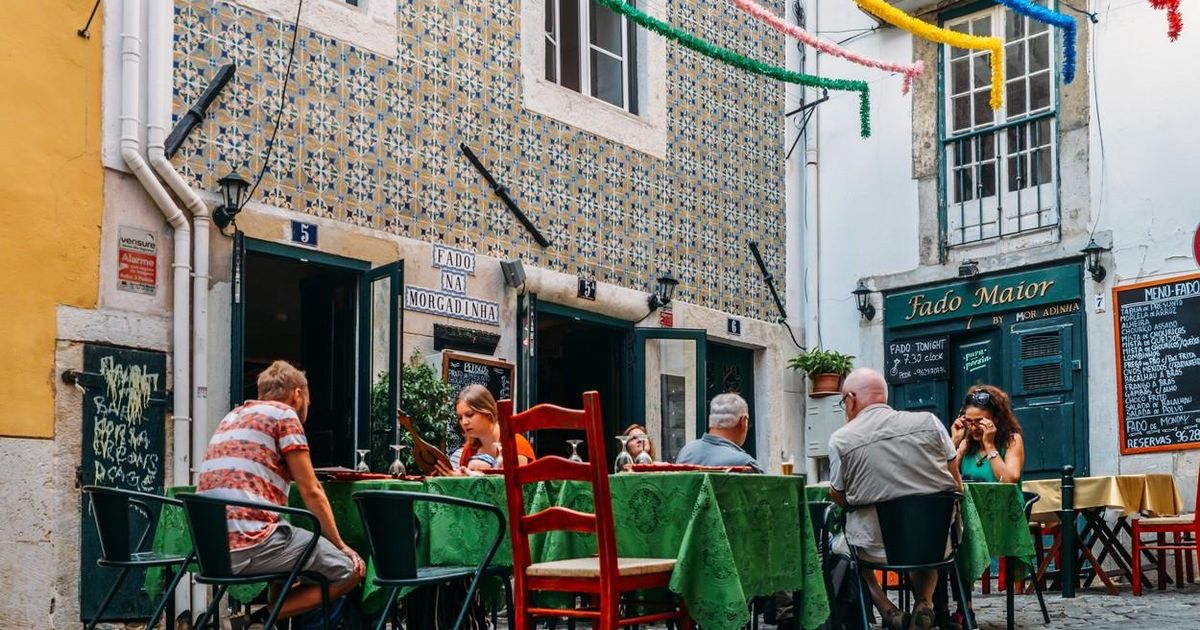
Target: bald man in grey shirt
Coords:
[(882, 454)]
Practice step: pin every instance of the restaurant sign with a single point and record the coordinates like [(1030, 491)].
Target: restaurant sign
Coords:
[(983, 295)]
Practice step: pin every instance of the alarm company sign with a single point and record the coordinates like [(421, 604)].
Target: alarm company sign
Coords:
[(137, 260)]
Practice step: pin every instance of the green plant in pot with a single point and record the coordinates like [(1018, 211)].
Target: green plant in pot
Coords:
[(427, 400), (825, 369)]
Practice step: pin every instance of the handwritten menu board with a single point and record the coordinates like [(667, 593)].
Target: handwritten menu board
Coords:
[(917, 359), (124, 411), (1157, 326), (460, 370)]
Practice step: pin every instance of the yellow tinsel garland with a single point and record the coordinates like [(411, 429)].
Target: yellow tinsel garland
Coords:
[(923, 29)]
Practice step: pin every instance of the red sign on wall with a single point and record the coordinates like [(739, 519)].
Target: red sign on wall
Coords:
[(1196, 245), (137, 260)]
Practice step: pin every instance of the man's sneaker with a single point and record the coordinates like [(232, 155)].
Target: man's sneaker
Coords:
[(922, 617)]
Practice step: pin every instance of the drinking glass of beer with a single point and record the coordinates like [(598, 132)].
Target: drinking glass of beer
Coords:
[(787, 464)]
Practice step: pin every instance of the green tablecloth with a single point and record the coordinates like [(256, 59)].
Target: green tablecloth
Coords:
[(994, 525), (733, 536)]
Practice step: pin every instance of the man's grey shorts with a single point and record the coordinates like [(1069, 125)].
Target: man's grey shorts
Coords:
[(279, 552)]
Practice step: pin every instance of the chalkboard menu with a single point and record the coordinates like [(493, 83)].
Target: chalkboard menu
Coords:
[(124, 407), (1158, 364), (917, 359), (460, 370)]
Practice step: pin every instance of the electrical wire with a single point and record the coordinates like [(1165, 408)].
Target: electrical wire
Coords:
[(287, 75), (1099, 129)]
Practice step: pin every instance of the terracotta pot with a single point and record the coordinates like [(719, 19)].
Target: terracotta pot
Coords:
[(825, 384)]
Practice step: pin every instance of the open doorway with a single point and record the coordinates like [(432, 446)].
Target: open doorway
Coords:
[(305, 313), (578, 355)]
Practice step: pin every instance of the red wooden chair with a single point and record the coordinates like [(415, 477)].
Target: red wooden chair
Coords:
[(1185, 531), (600, 579)]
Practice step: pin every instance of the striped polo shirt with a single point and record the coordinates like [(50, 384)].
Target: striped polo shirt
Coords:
[(245, 462)]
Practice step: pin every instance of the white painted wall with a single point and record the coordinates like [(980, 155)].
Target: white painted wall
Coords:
[(1141, 193)]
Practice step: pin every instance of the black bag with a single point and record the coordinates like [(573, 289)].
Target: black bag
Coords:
[(843, 601)]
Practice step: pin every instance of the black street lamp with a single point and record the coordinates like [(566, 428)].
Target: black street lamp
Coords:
[(862, 296), (1092, 255), (233, 196), (665, 292)]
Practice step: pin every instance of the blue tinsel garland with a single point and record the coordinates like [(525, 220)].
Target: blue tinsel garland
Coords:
[(1053, 18)]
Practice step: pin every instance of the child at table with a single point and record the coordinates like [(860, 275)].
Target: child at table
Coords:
[(478, 417)]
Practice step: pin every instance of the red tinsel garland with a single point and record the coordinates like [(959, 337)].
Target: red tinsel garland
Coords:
[(1174, 18)]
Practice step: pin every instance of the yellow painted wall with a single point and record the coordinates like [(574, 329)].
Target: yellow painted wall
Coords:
[(51, 195)]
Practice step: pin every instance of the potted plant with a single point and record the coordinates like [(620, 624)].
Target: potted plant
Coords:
[(825, 369), (428, 400)]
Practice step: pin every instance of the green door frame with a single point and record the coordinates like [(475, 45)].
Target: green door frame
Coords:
[(394, 274), (636, 406)]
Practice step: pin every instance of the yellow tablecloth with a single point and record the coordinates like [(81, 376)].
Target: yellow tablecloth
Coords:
[(1154, 494)]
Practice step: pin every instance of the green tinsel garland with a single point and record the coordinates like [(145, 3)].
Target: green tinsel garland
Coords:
[(745, 63)]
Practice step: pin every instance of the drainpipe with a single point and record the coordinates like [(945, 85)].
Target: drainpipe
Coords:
[(160, 47), (812, 215), (131, 153)]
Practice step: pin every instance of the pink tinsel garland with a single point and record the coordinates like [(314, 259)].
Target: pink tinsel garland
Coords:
[(765, 16)]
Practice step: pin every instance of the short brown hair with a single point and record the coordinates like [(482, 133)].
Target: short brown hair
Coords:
[(279, 380)]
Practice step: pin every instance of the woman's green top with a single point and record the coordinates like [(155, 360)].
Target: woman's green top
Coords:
[(973, 469)]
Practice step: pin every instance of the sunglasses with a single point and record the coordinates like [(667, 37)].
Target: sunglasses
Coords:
[(980, 398)]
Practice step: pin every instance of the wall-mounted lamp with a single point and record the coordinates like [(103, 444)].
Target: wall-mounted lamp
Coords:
[(862, 295), (968, 269), (665, 292), (1092, 261), (233, 196)]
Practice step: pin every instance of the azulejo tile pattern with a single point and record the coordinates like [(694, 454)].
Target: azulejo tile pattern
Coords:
[(373, 141)]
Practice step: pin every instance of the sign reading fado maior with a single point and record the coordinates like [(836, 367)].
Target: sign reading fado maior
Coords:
[(983, 295)]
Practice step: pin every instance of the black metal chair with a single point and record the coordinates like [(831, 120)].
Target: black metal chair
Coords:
[(207, 524), (392, 531), (915, 529), (1031, 498), (111, 508), (824, 514)]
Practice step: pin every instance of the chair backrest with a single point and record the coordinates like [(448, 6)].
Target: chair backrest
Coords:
[(553, 467), (391, 525), (818, 513), (209, 529), (110, 509), (915, 528), (1029, 499)]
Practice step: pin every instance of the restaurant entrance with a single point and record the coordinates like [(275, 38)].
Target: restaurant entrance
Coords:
[(335, 318), (1031, 348)]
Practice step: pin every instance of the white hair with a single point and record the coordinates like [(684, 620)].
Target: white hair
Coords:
[(726, 410)]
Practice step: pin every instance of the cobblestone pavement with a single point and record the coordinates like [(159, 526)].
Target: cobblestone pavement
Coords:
[(1097, 610)]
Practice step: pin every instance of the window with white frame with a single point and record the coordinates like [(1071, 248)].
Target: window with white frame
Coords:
[(591, 50), (999, 165)]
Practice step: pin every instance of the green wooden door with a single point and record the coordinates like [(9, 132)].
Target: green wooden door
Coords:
[(1046, 385), (730, 369), (381, 332), (977, 360)]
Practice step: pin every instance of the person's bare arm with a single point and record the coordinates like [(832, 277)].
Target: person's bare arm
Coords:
[(1008, 468), (837, 497)]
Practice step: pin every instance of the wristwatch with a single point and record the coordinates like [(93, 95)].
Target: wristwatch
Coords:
[(992, 454)]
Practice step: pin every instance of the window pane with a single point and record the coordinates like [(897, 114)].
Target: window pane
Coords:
[(982, 26), (550, 9), (987, 179), (1039, 91), (962, 113), (964, 189), (608, 82), (1016, 173), (606, 29), (983, 109), (955, 53), (1042, 157), (1033, 26), (569, 44), (1014, 60), (960, 73), (987, 147), (551, 60), (982, 69), (1014, 26), (1039, 52), (1014, 101)]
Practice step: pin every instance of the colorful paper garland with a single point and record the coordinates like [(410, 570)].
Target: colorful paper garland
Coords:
[(764, 15), (1174, 17), (921, 28), (727, 56), (1053, 18)]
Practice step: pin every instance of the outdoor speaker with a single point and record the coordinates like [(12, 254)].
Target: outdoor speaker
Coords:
[(514, 273)]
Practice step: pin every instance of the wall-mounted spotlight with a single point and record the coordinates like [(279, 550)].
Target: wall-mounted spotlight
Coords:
[(233, 196), (514, 272), (862, 296), (1092, 255), (664, 293), (968, 269)]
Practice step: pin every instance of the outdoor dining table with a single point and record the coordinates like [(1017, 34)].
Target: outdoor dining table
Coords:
[(733, 536), (1152, 493), (994, 526)]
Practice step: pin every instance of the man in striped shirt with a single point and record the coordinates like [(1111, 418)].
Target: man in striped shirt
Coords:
[(256, 452)]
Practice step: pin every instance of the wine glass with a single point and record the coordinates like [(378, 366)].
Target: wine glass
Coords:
[(362, 466), (396, 469), (644, 457), (623, 458), (575, 450)]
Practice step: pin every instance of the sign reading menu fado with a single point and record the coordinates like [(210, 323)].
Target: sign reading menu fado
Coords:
[(460, 370), (1158, 364), (917, 359)]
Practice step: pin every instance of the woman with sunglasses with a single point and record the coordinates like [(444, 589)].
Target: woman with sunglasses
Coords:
[(988, 437)]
